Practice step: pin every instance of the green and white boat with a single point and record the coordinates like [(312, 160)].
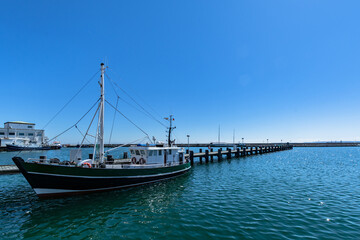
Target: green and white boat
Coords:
[(147, 164)]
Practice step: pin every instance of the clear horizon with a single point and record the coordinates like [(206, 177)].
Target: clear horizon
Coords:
[(279, 70)]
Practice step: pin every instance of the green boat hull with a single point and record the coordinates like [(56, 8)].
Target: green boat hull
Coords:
[(57, 180)]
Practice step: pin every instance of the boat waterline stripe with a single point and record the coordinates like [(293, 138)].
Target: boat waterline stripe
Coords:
[(40, 191), (139, 176)]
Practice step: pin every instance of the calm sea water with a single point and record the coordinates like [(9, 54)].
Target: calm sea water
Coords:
[(305, 193)]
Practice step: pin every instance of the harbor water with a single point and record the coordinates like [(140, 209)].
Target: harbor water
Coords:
[(304, 193)]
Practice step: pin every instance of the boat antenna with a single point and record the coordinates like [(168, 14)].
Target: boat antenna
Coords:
[(170, 119)]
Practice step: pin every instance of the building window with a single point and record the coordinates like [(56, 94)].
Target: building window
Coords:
[(30, 134), (21, 134), (29, 126), (11, 133)]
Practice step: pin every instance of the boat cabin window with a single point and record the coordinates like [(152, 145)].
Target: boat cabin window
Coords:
[(39, 134), (21, 134), (132, 151), (11, 133), (2, 133), (137, 152), (29, 126), (142, 152), (150, 153), (155, 153), (30, 134), (160, 152), (169, 151)]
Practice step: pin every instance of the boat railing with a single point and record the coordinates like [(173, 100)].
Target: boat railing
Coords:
[(127, 166), (47, 160)]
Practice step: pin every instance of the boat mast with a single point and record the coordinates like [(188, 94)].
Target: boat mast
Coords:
[(101, 117), (170, 129)]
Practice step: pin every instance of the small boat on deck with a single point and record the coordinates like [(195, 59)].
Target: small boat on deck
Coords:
[(100, 172)]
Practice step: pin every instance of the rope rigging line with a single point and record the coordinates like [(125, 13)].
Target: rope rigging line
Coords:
[(87, 131), (161, 117), (147, 135), (147, 112), (72, 98), (65, 130), (82, 134), (112, 127), (112, 149), (75, 123), (116, 93)]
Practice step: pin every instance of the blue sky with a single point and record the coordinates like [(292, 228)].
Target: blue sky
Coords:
[(279, 70)]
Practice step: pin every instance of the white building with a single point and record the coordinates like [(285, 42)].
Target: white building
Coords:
[(20, 133)]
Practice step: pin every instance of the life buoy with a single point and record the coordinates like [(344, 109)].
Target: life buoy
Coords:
[(142, 161), (86, 164), (133, 160)]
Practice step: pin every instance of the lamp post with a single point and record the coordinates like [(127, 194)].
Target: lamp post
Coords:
[(188, 136), (242, 139)]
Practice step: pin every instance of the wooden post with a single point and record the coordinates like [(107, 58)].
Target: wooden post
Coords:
[(206, 156), (237, 154), (219, 154), (229, 153), (192, 157), (187, 151), (251, 150), (212, 156)]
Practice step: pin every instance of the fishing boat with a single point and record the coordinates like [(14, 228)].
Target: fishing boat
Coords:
[(27, 147), (148, 163)]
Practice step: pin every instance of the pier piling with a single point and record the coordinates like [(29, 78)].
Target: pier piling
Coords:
[(206, 156), (219, 154)]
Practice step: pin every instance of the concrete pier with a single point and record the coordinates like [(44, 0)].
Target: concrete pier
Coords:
[(8, 169), (243, 152)]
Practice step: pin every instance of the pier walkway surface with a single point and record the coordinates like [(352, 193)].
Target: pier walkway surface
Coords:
[(8, 169), (207, 155)]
